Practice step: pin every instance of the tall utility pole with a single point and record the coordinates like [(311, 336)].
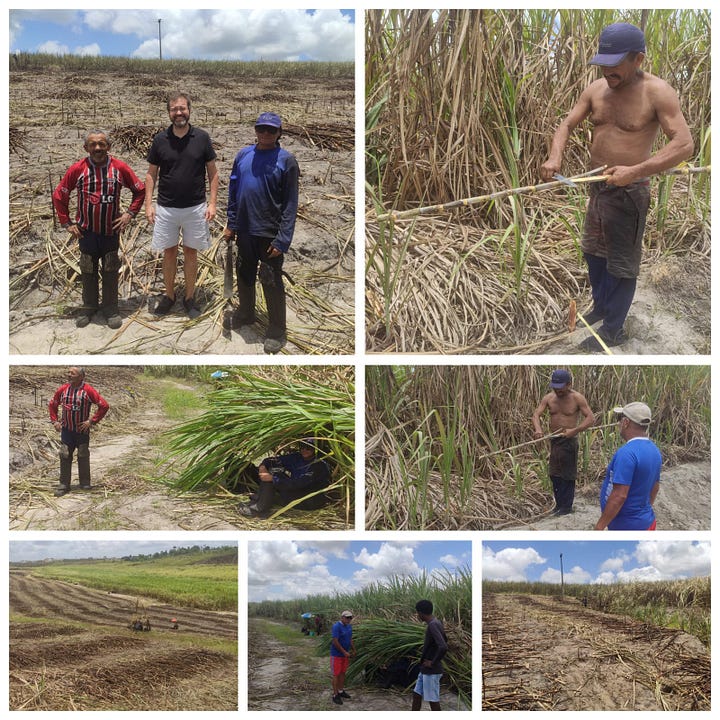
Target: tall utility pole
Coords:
[(562, 579), (160, 37)]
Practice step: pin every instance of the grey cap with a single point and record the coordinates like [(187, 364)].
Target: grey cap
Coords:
[(637, 412)]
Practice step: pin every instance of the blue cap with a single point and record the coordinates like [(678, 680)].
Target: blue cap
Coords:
[(560, 378), (270, 119), (616, 41)]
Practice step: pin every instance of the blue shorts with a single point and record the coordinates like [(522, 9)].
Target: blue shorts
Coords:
[(428, 686)]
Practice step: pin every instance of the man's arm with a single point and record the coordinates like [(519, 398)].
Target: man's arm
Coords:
[(560, 139), (613, 506), (214, 181), (150, 181), (338, 646), (679, 147), (536, 418), (290, 192)]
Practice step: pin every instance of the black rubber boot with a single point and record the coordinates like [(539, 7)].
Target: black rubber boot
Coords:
[(65, 471), (90, 293), (274, 293), (110, 299), (245, 314), (83, 455), (262, 506)]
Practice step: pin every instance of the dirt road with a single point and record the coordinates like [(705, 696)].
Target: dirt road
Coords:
[(289, 676), (71, 649), (540, 653)]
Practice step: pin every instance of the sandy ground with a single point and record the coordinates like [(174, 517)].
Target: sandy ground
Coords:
[(670, 315), (291, 677), (683, 503), (544, 653)]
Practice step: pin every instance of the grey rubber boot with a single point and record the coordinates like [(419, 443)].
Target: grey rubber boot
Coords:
[(65, 471), (90, 292), (110, 278)]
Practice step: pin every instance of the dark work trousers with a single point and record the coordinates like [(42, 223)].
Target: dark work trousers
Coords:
[(563, 470), (612, 296)]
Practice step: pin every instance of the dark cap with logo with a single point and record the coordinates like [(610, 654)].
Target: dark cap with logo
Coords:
[(560, 378), (616, 41)]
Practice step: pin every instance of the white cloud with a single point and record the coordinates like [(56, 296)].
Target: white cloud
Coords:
[(613, 564), (87, 50), (574, 576), (450, 561), (392, 559), (675, 559), (510, 563), (53, 47)]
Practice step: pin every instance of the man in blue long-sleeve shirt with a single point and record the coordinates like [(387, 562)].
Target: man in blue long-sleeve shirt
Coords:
[(262, 207)]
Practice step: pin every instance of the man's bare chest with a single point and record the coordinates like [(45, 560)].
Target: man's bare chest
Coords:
[(627, 112)]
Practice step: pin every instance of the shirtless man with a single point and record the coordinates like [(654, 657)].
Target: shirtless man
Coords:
[(627, 108), (566, 406)]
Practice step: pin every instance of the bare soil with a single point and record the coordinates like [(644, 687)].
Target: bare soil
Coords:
[(543, 653), (124, 451), (683, 503), (290, 676), (51, 112), (73, 650)]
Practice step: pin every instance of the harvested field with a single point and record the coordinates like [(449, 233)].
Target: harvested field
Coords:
[(541, 653), (49, 118), (71, 649)]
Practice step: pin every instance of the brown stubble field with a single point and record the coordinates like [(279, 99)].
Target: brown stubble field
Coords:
[(71, 649), (50, 112)]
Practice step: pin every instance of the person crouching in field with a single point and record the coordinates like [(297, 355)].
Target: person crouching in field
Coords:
[(98, 180)]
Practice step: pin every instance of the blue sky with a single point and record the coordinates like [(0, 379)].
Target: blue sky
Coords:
[(272, 35), (599, 561), (21, 550), (286, 569)]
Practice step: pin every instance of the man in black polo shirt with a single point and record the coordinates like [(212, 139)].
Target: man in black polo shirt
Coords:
[(181, 155)]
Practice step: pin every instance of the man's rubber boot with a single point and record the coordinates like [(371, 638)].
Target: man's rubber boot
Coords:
[(261, 507), (65, 471), (83, 455), (110, 279), (274, 292), (245, 314), (90, 290)]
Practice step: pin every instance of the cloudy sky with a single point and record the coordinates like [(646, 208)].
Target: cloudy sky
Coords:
[(273, 35), (21, 550), (604, 561), (284, 569)]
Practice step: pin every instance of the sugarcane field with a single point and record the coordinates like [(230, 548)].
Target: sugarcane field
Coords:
[(294, 619), (456, 447), (179, 448), (573, 626), (154, 632), (56, 101), (473, 244)]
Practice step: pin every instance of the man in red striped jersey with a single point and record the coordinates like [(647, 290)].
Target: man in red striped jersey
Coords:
[(98, 180), (74, 400)]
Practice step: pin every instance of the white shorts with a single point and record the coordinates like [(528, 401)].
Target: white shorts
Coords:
[(170, 221), (429, 687)]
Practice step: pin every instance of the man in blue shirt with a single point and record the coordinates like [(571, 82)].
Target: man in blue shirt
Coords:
[(262, 207), (341, 650), (632, 479)]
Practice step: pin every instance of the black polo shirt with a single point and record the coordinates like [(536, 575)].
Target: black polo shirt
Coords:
[(182, 163)]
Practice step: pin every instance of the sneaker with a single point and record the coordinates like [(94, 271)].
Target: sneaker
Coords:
[(593, 316), (337, 700), (61, 490), (562, 511), (164, 305), (191, 308), (343, 694), (274, 345)]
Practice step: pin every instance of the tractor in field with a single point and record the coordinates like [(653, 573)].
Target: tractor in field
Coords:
[(140, 622)]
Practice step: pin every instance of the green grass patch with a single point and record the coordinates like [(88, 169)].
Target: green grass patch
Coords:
[(286, 634), (211, 587)]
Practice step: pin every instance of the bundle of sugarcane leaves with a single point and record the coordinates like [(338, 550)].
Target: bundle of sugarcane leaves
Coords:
[(260, 412)]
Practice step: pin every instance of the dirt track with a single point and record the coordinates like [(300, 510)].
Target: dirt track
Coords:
[(540, 653), (290, 676), (77, 653)]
